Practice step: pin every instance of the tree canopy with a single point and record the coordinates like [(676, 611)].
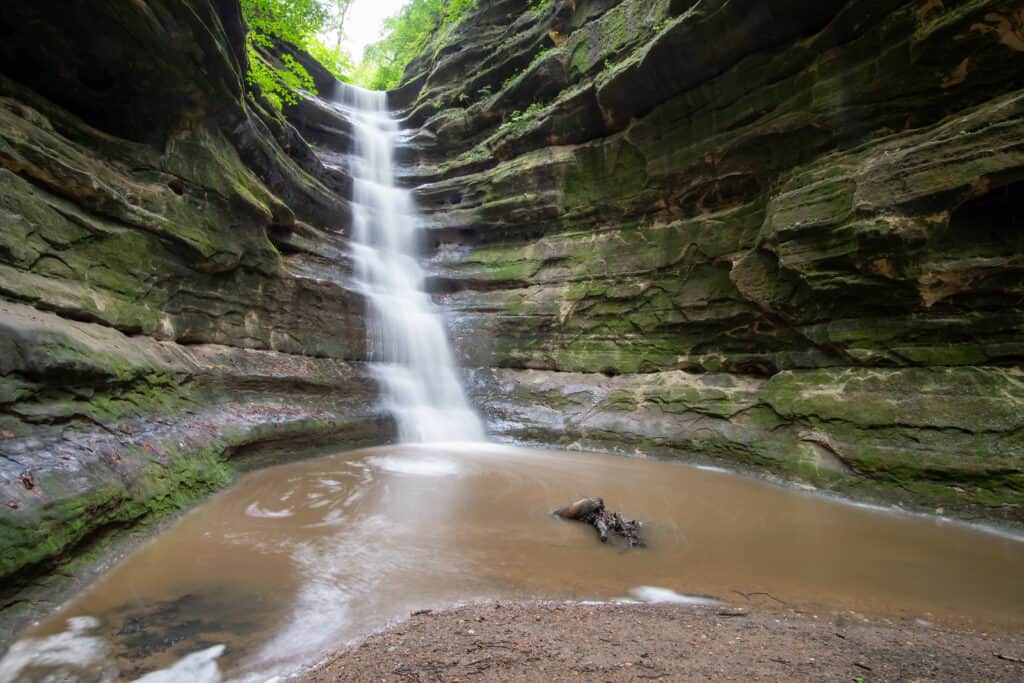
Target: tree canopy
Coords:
[(297, 22), (406, 35), (302, 22)]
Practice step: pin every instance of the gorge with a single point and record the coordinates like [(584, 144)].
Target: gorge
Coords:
[(781, 238)]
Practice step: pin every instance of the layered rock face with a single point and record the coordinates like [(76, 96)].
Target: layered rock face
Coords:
[(783, 235), (780, 234), (172, 273)]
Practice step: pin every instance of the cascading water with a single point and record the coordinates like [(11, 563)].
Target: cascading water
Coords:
[(409, 347)]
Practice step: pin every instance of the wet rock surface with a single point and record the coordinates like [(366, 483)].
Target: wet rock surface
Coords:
[(928, 439), (174, 284), (781, 235)]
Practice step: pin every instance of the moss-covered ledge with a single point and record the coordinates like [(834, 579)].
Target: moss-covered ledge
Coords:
[(101, 432), (941, 438)]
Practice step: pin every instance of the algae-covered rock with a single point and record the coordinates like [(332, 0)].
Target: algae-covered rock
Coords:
[(173, 279), (100, 430), (921, 437), (815, 200)]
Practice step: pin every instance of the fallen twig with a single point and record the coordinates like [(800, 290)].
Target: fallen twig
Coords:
[(1008, 658), (760, 593)]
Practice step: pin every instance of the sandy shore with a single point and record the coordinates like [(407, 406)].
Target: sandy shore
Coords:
[(613, 642)]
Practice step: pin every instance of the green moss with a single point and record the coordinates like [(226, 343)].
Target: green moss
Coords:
[(969, 399), (31, 539), (601, 173), (154, 393)]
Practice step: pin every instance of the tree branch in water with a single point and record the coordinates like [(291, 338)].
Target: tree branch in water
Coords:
[(593, 512)]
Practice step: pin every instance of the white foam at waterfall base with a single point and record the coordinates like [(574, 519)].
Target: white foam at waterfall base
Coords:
[(409, 346), (656, 594), (417, 466)]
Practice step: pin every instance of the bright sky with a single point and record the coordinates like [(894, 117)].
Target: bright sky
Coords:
[(364, 22)]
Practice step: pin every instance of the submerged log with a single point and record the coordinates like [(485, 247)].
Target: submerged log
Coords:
[(592, 511)]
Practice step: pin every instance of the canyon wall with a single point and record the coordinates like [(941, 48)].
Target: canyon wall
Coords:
[(779, 235), (172, 273)]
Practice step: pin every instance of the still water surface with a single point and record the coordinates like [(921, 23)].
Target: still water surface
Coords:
[(292, 561)]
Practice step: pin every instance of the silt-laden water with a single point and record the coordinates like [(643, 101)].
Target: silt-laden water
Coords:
[(293, 561)]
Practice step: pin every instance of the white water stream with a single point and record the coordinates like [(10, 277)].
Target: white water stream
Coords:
[(412, 358)]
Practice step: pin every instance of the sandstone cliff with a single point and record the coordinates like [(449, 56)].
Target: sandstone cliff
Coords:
[(172, 273), (780, 234)]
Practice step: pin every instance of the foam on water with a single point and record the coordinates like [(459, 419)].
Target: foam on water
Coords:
[(198, 667), (656, 594), (417, 466), (64, 656), (255, 510)]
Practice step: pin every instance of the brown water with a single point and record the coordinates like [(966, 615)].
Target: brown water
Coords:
[(293, 561)]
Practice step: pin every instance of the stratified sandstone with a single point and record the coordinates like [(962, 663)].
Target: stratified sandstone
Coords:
[(778, 234), (783, 234), (172, 274)]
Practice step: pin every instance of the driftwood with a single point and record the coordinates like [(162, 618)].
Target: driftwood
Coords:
[(592, 511)]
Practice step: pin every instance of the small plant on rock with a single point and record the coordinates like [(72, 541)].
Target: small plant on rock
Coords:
[(508, 81), (518, 117)]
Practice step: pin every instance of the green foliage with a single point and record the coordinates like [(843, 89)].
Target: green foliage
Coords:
[(290, 20), (508, 81), (336, 60), (278, 86), (407, 34), (539, 5), (517, 117), (296, 22)]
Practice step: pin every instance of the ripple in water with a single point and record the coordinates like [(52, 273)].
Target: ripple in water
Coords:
[(255, 510), (375, 534)]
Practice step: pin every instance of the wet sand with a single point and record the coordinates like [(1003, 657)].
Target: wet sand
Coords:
[(615, 642)]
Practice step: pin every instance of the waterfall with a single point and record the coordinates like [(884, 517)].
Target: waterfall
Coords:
[(409, 348)]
